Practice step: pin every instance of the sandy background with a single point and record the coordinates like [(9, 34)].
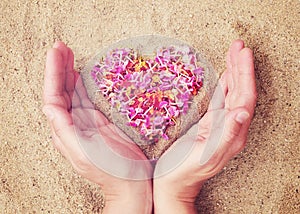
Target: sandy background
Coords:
[(34, 178)]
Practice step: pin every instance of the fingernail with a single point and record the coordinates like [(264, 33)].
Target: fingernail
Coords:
[(242, 117), (49, 113)]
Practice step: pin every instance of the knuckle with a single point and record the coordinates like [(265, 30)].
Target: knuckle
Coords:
[(234, 132), (231, 135)]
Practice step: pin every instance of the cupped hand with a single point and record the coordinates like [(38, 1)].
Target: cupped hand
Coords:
[(74, 123), (218, 136)]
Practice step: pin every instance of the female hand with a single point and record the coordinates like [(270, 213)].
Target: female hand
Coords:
[(74, 122), (218, 136)]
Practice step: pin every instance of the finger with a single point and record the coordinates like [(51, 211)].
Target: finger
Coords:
[(223, 139), (60, 115), (54, 75), (49, 111), (229, 71), (82, 94), (68, 59), (62, 124), (246, 88), (55, 140), (76, 103), (208, 122), (78, 145), (232, 58), (237, 46), (70, 79), (57, 143), (224, 82), (63, 128), (75, 98), (218, 98), (63, 50), (242, 138), (233, 125)]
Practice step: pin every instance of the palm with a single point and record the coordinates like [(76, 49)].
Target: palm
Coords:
[(91, 124)]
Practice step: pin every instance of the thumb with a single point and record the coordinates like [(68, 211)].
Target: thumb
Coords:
[(222, 138), (234, 121), (58, 117)]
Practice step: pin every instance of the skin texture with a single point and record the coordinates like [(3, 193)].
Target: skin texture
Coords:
[(72, 119)]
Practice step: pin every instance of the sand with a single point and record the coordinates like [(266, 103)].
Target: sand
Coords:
[(264, 178)]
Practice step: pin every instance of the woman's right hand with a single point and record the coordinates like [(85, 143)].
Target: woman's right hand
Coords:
[(218, 136)]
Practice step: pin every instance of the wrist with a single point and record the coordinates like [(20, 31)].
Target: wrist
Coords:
[(129, 205), (130, 197), (175, 198), (172, 204)]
